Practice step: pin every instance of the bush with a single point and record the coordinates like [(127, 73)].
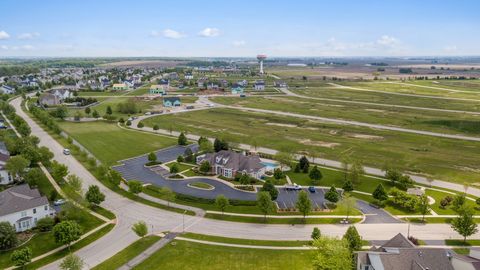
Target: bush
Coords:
[(140, 125), (45, 224), (404, 200), (135, 186), (180, 159)]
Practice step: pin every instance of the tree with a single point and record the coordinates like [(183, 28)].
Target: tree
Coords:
[(353, 238), (140, 125), (205, 166), (379, 193), (264, 203), (356, 171), (393, 175), (109, 110), (115, 177), (316, 233), (244, 179), (182, 139), (278, 173), (34, 176), (465, 224), (332, 195), (424, 206), (269, 187), (95, 114), (75, 182), (140, 228), (135, 186), (304, 164), (61, 112), (94, 196), (348, 185), (16, 165), (284, 158), (72, 262), (156, 127), (315, 175), (152, 157), (188, 155), (8, 235), (222, 202), (45, 224), (458, 202), (348, 203), (206, 146), (180, 159), (87, 110), (66, 232), (220, 144), (174, 168), (59, 171), (21, 257), (45, 155), (303, 204), (331, 254)]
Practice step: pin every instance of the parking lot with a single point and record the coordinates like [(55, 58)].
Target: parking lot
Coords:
[(287, 198)]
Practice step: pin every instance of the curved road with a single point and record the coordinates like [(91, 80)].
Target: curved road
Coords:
[(159, 220)]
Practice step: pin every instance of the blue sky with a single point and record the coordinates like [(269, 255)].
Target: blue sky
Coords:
[(239, 28)]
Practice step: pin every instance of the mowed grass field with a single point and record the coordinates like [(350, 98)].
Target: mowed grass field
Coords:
[(110, 143), (189, 256), (446, 159), (442, 122)]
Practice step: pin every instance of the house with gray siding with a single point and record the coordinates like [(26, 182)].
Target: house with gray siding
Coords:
[(228, 163)]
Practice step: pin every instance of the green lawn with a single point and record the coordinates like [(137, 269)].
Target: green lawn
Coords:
[(128, 253), (181, 166), (98, 93), (241, 241), (188, 255), (459, 242), (109, 143), (407, 118), (410, 152), (201, 185), (292, 221)]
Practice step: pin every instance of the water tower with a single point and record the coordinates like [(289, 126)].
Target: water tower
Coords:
[(260, 58)]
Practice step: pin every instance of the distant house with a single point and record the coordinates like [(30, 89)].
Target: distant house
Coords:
[(171, 102), (6, 89), (62, 93), (259, 85), (201, 83), (243, 83), (237, 89), (104, 83), (119, 87), (281, 84), (401, 254), (49, 99), (5, 177), (229, 163), (22, 207), (213, 86), (157, 89), (129, 83), (188, 76)]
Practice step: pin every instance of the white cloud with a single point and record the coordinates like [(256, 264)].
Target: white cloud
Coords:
[(209, 32), (28, 35), (239, 43), (387, 41), (4, 35), (4, 47), (169, 33), (450, 49)]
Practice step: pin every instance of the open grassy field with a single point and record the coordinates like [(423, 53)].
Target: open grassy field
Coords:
[(241, 241), (442, 122), (109, 143), (99, 93), (188, 255), (463, 85), (411, 153), (327, 91)]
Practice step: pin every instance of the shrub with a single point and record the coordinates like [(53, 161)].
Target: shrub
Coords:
[(45, 224), (135, 186)]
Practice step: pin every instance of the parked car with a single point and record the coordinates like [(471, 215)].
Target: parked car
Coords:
[(242, 95), (59, 202), (312, 189), (66, 151), (189, 107), (148, 113), (293, 187)]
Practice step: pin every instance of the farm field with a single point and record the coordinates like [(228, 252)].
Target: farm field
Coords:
[(407, 118), (109, 143), (410, 152), (328, 91), (188, 255)]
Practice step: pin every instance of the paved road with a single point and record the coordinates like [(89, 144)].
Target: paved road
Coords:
[(129, 212)]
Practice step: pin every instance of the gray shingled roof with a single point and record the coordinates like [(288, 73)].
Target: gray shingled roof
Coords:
[(235, 161), (20, 198)]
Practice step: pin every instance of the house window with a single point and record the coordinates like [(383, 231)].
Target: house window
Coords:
[(34, 210), (45, 207)]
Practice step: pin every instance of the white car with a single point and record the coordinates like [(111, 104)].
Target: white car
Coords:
[(66, 151), (59, 202), (148, 113)]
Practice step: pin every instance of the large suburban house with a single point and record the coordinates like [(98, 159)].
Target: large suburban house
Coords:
[(5, 177), (171, 102), (23, 206), (49, 99), (6, 89), (158, 89), (259, 85), (119, 87), (399, 253), (229, 163), (63, 93)]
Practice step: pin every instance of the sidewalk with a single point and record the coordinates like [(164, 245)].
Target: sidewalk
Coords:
[(243, 246)]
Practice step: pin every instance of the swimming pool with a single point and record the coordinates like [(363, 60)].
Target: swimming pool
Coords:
[(270, 165)]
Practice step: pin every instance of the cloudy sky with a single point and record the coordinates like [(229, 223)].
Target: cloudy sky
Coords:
[(239, 28)]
